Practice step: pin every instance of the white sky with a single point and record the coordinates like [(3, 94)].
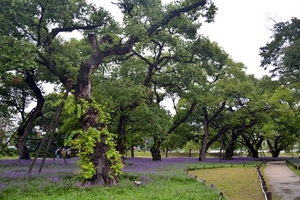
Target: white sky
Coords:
[(241, 27)]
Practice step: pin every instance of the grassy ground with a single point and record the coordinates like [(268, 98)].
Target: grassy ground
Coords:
[(160, 181), (237, 182), (295, 162)]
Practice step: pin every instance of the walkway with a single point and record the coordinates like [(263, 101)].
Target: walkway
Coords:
[(284, 183)]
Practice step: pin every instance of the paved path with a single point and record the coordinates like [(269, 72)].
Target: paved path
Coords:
[(284, 183)]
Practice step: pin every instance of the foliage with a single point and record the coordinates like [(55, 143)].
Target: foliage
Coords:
[(281, 55), (282, 126)]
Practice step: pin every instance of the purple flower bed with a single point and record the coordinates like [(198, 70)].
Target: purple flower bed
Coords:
[(17, 169), (146, 165)]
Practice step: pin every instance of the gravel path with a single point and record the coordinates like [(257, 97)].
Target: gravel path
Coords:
[(284, 183)]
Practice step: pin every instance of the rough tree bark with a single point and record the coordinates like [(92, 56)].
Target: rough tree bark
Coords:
[(25, 128), (155, 149)]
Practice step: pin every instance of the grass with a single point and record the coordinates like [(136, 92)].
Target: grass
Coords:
[(239, 182), (160, 181), (295, 162)]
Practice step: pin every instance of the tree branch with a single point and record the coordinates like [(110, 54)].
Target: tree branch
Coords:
[(183, 119), (154, 29), (55, 31)]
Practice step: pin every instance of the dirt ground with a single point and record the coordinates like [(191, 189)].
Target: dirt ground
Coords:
[(284, 183)]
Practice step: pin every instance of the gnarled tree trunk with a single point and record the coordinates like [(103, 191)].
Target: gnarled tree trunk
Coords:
[(155, 150), (25, 128)]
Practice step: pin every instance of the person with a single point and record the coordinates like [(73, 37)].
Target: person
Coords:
[(68, 153), (57, 153)]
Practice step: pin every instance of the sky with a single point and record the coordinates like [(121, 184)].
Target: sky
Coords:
[(241, 27)]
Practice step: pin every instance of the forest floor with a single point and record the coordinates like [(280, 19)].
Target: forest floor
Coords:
[(285, 184)]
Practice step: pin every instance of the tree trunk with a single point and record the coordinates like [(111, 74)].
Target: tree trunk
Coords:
[(253, 145), (104, 174), (202, 156), (190, 153), (132, 151), (229, 151), (254, 153), (155, 150), (275, 153), (277, 145), (121, 136), (25, 128), (230, 147)]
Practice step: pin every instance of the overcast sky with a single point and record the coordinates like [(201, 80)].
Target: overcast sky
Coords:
[(241, 26)]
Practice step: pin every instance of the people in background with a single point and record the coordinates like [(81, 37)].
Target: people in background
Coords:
[(58, 153)]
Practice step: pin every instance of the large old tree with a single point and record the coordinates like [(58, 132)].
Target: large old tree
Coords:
[(41, 22)]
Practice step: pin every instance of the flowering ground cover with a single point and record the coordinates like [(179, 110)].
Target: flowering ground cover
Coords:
[(164, 179)]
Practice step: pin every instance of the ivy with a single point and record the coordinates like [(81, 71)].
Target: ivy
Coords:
[(85, 141)]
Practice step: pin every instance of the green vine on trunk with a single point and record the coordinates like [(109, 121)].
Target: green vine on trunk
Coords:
[(85, 141)]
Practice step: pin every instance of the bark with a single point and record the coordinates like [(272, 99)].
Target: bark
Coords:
[(166, 152), (277, 146), (121, 135), (190, 153), (132, 151), (155, 150), (275, 153), (25, 128), (253, 152), (230, 147), (104, 174), (207, 121), (202, 156), (253, 145), (228, 155)]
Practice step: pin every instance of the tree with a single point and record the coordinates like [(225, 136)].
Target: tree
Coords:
[(190, 146), (263, 89), (41, 23), (19, 86), (283, 124), (281, 55), (156, 63), (83, 89)]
